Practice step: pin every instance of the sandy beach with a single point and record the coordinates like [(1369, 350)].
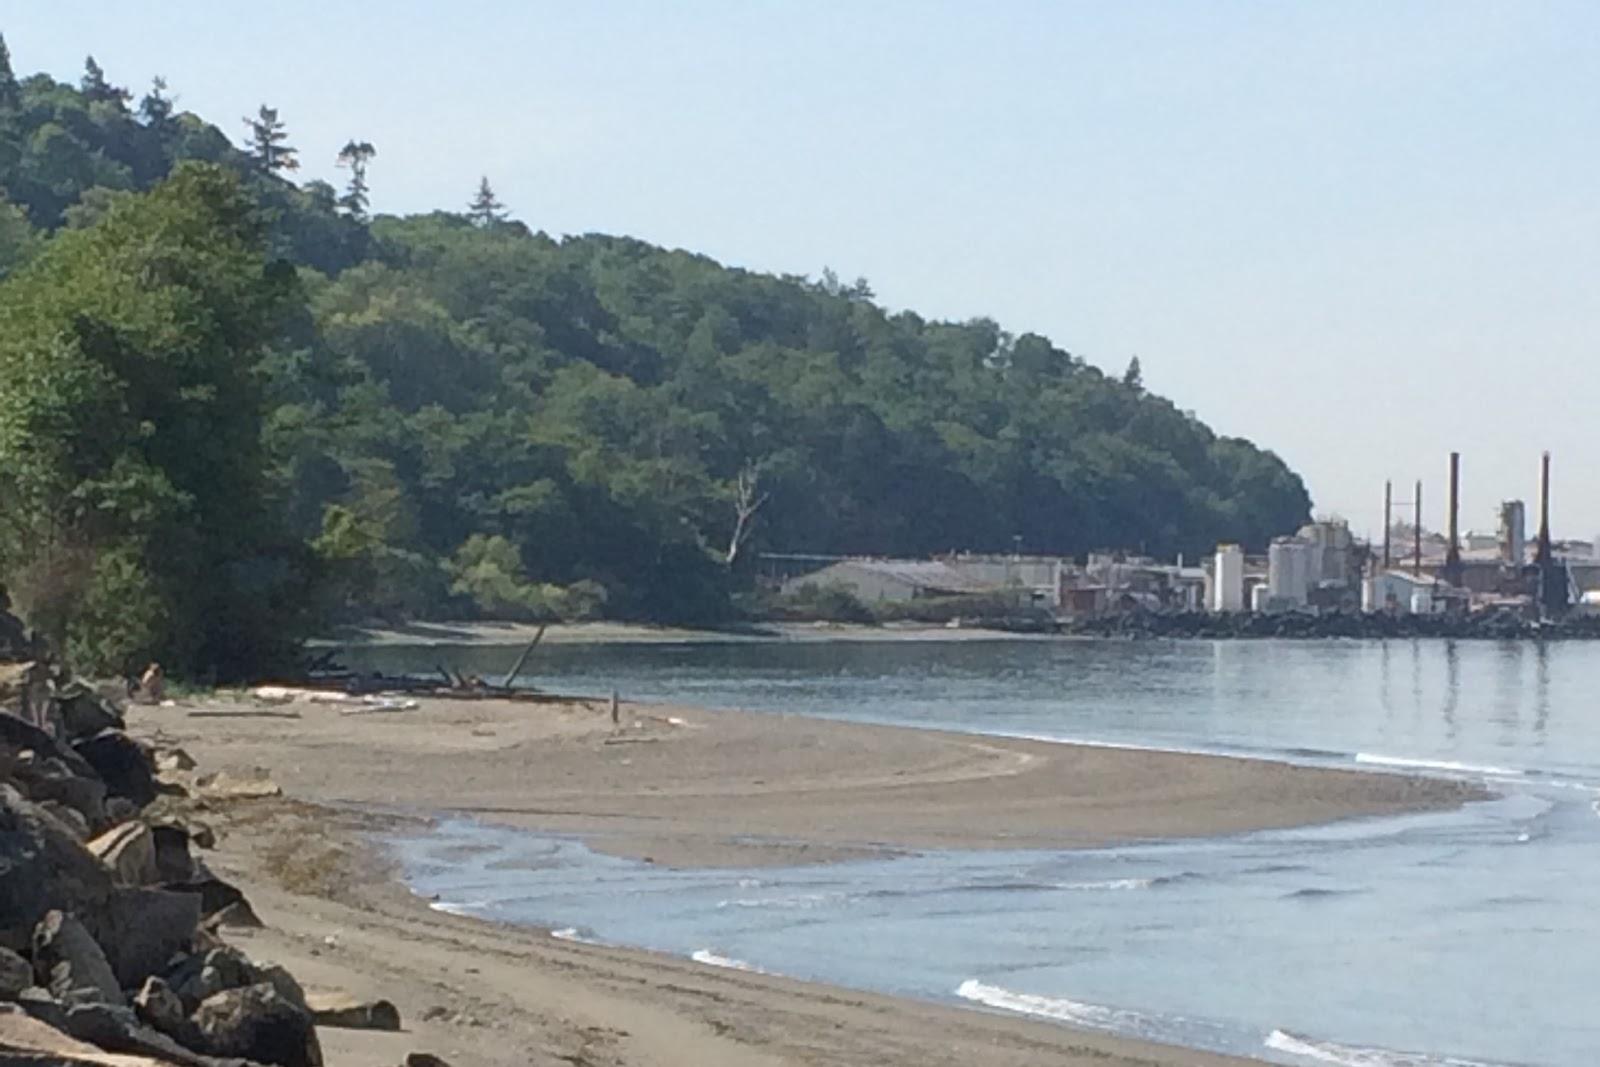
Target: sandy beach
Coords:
[(683, 787)]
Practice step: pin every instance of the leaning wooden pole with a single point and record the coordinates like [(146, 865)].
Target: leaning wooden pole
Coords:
[(516, 668)]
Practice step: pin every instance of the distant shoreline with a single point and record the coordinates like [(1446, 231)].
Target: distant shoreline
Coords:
[(1190, 627), (490, 634)]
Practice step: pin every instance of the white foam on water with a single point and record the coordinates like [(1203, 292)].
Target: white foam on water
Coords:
[(573, 934), (712, 959), (797, 902), (1379, 760), (1356, 1056), (1109, 884), (452, 907), (1078, 1013)]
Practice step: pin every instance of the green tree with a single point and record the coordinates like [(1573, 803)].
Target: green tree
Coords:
[(131, 470), (268, 142), (97, 90), (486, 209), (10, 91), (356, 155), (1133, 377), (155, 107)]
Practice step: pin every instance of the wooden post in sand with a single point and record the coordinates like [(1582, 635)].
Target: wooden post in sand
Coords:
[(616, 709)]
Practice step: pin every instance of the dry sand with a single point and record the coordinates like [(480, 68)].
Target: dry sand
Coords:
[(683, 787)]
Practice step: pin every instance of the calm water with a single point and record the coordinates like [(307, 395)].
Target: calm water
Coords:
[(1467, 937)]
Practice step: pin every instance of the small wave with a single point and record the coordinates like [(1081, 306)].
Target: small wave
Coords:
[(1437, 765), (452, 907), (1076, 1012), (1315, 893), (1356, 1056), (1109, 884), (573, 934), (797, 902), (712, 959)]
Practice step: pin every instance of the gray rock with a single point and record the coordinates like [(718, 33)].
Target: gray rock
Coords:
[(257, 1024), (70, 817), (117, 1029), (278, 977), (54, 781), (16, 974), (217, 970), (142, 929), (161, 1008), (341, 1010), (42, 866), (129, 853), (85, 712), (70, 963), (174, 862), (122, 763)]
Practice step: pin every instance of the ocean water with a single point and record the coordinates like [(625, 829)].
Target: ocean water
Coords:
[(1458, 938)]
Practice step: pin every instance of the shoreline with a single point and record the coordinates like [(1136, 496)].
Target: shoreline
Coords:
[(1182, 628), (514, 634), (683, 787)]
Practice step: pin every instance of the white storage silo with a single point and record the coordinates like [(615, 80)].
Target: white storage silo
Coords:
[(1227, 585)]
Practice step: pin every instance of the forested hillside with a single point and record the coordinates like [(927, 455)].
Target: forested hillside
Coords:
[(456, 413)]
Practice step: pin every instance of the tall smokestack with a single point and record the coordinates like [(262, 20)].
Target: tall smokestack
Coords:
[(1416, 531), (1388, 523), (1544, 554), (1452, 559), (1552, 576)]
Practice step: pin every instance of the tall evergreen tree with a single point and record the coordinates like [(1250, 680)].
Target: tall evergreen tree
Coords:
[(96, 89), (1133, 377), (267, 142), (10, 92), (355, 155), (485, 208), (155, 107)]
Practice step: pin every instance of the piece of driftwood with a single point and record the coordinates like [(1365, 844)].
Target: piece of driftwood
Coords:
[(516, 668)]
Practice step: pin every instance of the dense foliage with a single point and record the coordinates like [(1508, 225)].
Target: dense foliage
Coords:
[(463, 415)]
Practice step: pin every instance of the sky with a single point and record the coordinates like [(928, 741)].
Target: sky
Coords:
[(1361, 234)]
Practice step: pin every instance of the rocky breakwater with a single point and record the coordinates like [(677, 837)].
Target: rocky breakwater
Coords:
[(113, 930)]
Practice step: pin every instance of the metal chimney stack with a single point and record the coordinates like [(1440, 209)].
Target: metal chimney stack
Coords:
[(1544, 554), (1452, 559), (1388, 523), (1416, 531)]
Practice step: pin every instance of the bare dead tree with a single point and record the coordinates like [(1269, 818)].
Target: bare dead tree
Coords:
[(747, 501)]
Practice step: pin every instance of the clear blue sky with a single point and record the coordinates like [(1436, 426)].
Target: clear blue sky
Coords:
[(1359, 233)]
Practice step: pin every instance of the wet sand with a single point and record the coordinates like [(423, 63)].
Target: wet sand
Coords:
[(683, 787)]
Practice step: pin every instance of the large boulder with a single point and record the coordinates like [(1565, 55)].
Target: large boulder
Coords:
[(143, 929), (118, 1029), (174, 862), (51, 779), (43, 866), (257, 1024), (19, 735), (204, 975), (71, 964), (25, 1040), (84, 712), (221, 904), (122, 763), (129, 853)]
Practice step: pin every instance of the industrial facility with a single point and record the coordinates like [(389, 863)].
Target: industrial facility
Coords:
[(1321, 569)]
